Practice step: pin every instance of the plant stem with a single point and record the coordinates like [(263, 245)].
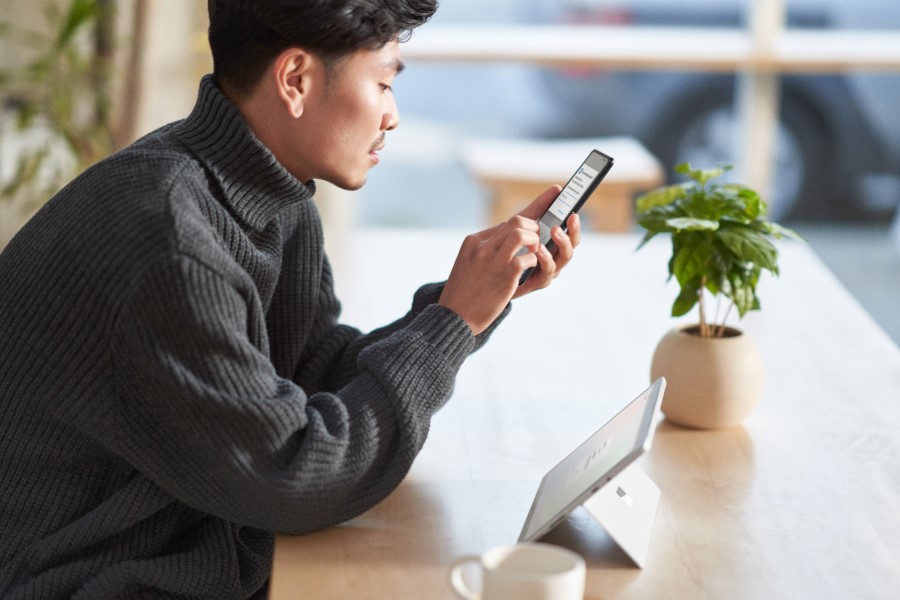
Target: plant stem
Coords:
[(718, 310), (721, 331), (704, 328)]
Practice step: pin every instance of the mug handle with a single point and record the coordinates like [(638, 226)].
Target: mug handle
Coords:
[(456, 578)]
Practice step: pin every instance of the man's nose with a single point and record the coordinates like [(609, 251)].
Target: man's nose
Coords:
[(391, 119)]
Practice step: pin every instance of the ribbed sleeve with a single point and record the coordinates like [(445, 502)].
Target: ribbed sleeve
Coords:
[(205, 415)]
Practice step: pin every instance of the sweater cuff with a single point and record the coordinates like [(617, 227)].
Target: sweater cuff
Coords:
[(426, 295), (430, 293), (447, 332)]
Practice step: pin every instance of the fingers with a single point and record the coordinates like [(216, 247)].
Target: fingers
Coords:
[(542, 276), (539, 205), (485, 233), (552, 263), (512, 235), (566, 241), (514, 243), (489, 265), (574, 229), (487, 269)]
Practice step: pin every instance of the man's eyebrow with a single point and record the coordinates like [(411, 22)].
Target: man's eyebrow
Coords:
[(396, 65)]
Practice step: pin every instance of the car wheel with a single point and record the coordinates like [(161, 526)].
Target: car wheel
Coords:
[(703, 130)]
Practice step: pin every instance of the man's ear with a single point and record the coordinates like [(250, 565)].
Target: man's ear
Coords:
[(292, 72)]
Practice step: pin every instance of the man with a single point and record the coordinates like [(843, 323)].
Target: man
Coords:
[(174, 384)]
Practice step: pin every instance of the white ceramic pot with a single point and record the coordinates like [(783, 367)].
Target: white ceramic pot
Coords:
[(711, 383)]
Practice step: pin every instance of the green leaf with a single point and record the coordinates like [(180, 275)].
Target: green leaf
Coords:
[(750, 246), (755, 206), (80, 12), (691, 259), (27, 112), (655, 219), (720, 285), (717, 269), (743, 293), (692, 224), (781, 232), (27, 171), (660, 197), (687, 298), (699, 205), (701, 176), (647, 237)]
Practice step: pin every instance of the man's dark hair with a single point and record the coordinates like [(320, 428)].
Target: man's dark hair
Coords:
[(246, 35)]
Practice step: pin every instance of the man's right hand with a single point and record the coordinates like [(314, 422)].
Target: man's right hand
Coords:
[(486, 273)]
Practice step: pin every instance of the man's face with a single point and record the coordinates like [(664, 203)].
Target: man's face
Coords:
[(344, 122)]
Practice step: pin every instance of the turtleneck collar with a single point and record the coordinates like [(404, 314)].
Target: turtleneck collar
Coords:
[(255, 185)]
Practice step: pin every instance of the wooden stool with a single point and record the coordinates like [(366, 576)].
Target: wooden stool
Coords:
[(516, 171)]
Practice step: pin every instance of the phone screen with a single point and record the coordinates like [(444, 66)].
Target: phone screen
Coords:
[(576, 192), (578, 189)]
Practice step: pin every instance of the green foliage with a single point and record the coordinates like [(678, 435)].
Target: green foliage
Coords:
[(720, 240), (59, 97)]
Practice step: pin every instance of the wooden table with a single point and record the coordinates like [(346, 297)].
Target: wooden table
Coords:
[(802, 501)]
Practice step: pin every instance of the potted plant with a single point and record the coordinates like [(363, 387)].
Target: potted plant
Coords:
[(720, 246)]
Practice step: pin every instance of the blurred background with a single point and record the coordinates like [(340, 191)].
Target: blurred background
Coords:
[(80, 78)]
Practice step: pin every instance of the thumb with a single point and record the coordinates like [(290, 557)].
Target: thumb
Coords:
[(539, 205)]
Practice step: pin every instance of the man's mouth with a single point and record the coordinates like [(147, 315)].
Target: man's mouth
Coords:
[(378, 146)]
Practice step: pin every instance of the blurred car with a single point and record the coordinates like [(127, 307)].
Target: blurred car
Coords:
[(838, 148)]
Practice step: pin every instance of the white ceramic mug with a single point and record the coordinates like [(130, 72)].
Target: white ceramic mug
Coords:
[(530, 571)]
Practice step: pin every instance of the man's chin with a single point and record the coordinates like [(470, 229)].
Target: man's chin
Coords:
[(346, 184)]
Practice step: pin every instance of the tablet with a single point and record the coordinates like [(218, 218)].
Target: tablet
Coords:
[(594, 463)]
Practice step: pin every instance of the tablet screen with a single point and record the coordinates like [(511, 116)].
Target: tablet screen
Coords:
[(602, 456)]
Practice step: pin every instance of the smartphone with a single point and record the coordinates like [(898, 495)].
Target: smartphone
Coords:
[(572, 197)]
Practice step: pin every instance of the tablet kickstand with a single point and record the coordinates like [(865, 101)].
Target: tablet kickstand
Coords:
[(626, 508)]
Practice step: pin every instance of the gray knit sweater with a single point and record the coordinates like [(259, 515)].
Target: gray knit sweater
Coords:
[(174, 385)]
